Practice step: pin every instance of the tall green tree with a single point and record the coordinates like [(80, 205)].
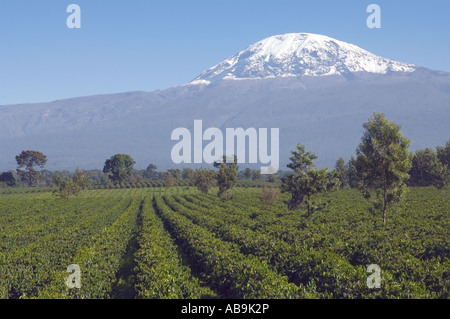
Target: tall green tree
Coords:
[(341, 171), (383, 161), (81, 180), (27, 160), (151, 172), (306, 180), (443, 153), (119, 168), (227, 176), (441, 177), (205, 179), (423, 168), (353, 179)]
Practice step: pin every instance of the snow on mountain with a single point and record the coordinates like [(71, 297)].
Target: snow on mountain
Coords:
[(299, 54)]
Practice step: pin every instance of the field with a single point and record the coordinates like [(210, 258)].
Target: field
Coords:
[(157, 243)]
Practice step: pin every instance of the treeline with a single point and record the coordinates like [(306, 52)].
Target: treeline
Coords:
[(428, 168), (150, 177)]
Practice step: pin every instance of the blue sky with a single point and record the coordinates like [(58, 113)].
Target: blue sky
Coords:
[(147, 45)]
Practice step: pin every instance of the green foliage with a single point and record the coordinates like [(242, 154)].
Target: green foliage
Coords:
[(204, 179), (226, 179), (341, 172), (68, 188), (383, 162), (441, 177), (119, 168), (424, 164), (193, 245), (353, 179), (443, 153), (160, 273), (9, 178), (72, 187), (306, 180), (229, 272), (28, 160), (170, 180)]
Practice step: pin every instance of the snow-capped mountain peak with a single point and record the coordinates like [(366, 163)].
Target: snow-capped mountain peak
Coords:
[(299, 54)]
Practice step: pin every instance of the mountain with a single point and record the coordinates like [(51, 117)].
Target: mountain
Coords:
[(318, 91), (299, 54)]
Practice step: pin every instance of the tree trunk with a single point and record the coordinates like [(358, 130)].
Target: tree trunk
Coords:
[(308, 204)]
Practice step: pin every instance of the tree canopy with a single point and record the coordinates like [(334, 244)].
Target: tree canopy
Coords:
[(119, 168), (383, 161), (28, 160), (305, 180)]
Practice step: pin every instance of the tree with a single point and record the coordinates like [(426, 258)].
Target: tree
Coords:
[(81, 180), (204, 179), (9, 178), (68, 188), (441, 177), (227, 176), (28, 160), (383, 161), (272, 178), (248, 173), (150, 172), (119, 168), (270, 195), (423, 168), (176, 173), (169, 180), (443, 153), (187, 174), (257, 175), (353, 179), (341, 171), (305, 179)]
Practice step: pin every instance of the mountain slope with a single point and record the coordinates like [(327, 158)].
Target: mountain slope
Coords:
[(325, 113)]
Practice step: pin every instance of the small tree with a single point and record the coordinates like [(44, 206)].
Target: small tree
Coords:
[(424, 164), (28, 160), (176, 173), (187, 174), (204, 179), (170, 180), (353, 179), (341, 172), (272, 178), (383, 161), (305, 179), (443, 153), (119, 168), (257, 175), (248, 173), (270, 195), (9, 178), (81, 180), (150, 172), (441, 177), (68, 188)]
